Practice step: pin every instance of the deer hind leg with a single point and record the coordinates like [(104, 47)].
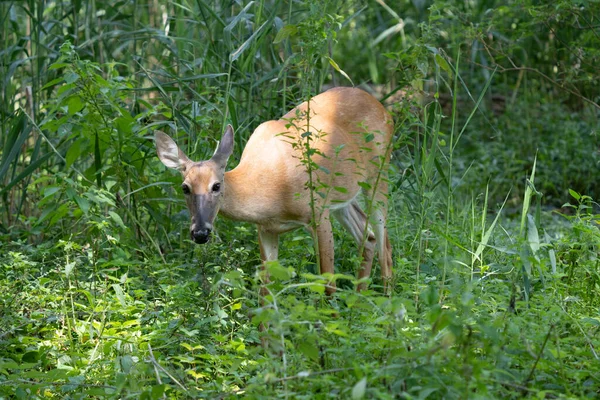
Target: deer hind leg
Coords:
[(378, 220), (354, 220), (324, 236)]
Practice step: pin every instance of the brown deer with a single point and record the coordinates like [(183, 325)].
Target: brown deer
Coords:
[(350, 144)]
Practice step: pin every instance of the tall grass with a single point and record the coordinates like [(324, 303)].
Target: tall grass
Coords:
[(194, 65), (190, 66)]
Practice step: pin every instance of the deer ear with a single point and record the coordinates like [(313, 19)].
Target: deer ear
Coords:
[(169, 153), (225, 148)]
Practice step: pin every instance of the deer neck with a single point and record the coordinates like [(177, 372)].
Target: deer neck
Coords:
[(237, 195)]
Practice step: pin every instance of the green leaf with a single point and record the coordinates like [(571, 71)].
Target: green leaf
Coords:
[(340, 189), (532, 235), (14, 143), (358, 391), (73, 152), (119, 293), (71, 77), (365, 185), (69, 268), (338, 69), (88, 295), (486, 236), (309, 349), (284, 33), (157, 391), (124, 124), (126, 362), (8, 364), (574, 194), (423, 394), (279, 272), (31, 357), (324, 169), (50, 190), (71, 193), (26, 172), (236, 54), (57, 66), (117, 218), (20, 393), (317, 288), (443, 64), (242, 15), (527, 196), (82, 203), (75, 104), (53, 82)]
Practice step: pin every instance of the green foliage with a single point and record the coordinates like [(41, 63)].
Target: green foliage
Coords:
[(578, 248), (103, 296)]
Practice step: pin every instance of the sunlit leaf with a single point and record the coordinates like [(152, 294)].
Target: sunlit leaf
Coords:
[(359, 389)]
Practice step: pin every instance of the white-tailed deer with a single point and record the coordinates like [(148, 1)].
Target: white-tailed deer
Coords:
[(351, 135)]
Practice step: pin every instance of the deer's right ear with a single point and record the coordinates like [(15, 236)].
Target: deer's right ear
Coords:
[(169, 153)]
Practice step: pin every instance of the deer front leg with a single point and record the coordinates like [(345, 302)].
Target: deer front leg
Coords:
[(325, 239), (269, 248), (269, 251)]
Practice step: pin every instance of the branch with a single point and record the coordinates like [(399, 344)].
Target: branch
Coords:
[(514, 67), (540, 73), (538, 357), (158, 366), (561, 86)]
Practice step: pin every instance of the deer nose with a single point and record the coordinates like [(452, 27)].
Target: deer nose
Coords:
[(201, 235)]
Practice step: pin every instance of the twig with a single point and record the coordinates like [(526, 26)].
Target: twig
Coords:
[(526, 382), (568, 46), (540, 73), (529, 69), (582, 333), (14, 329), (158, 366), (155, 365), (590, 27), (91, 385), (302, 375), (513, 385)]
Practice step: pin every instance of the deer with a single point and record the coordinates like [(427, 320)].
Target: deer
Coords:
[(350, 137)]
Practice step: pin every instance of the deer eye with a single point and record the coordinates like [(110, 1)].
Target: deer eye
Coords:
[(216, 187), (185, 188)]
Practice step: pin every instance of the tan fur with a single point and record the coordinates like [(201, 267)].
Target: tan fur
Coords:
[(201, 177), (269, 186)]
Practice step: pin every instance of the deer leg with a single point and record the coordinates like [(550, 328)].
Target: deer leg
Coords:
[(325, 239), (384, 248), (378, 219), (354, 220), (269, 250)]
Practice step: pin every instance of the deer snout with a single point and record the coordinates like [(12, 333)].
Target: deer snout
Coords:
[(200, 235)]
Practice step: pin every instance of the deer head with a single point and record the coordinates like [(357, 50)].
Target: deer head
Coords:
[(203, 181)]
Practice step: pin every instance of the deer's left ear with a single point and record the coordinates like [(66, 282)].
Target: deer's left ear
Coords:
[(225, 148)]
